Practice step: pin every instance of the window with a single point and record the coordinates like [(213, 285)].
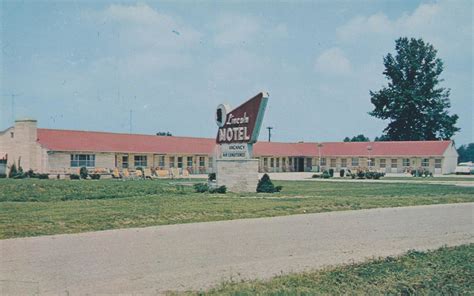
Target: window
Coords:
[(394, 163), (355, 161), (172, 159), (82, 160), (333, 162), (211, 162), (140, 160), (277, 162), (161, 161), (190, 161), (371, 162), (406, 162), (272, 162), (437, 163), (425, 162), (323, 161), (202, 161), (265, 162), (290, 161), (309, 163), (343, 163), (180, 162), (125, 161), (383, 163), (283, 161)]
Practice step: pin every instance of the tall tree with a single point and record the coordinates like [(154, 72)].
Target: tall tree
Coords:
[(358, 138), (413, 102), (466, 153)]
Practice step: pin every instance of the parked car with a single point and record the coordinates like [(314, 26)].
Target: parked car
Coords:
[(465, 168)]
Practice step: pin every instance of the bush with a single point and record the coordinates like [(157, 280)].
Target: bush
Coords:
[(43, 176), (212, 177), (326, 175), (315, 176), (31, 174), (95, 176), (83, 173), (341, 173), (74, 177), (221, 189), (201, 187), (3, 176), (265, 185), (13, 171), (331, 172), (19, 174)]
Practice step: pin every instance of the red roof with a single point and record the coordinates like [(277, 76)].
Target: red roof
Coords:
[(67, 140), (85, 141), (401, 148)]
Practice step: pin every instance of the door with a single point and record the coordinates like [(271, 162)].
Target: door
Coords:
[(301, 164)]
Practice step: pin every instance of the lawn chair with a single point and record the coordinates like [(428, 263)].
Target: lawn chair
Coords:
[(185, 173), (116, 174), (162, 173), (139, 173), (126, 174), (147, 173)]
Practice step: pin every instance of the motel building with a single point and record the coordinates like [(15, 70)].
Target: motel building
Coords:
[(63, 152)]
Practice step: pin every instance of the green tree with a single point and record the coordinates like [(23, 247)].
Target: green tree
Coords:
[(416, 107), (358, 138), (466, 153)]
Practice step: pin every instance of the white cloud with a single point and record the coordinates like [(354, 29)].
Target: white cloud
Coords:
[(333, 62), (144, 27), (434, 22)]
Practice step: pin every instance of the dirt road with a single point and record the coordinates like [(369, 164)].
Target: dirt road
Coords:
[(197, 256)]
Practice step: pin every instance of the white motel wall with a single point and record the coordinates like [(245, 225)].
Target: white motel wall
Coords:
[(64, 152)]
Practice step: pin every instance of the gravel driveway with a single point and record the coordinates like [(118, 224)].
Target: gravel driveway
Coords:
[(196, 256)]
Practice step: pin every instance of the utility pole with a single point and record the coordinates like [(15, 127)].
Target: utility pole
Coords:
[(269, 133)]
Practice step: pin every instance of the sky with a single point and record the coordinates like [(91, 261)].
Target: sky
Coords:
[(93, 65)]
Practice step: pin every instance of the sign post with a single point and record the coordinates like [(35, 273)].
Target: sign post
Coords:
[(238, 131)]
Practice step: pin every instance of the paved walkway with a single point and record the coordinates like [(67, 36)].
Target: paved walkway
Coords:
[(196, 256)]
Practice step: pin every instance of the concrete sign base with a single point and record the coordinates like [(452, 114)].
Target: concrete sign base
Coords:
[(237, 175)]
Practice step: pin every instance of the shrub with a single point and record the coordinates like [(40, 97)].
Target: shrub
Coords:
[(74, 177), (315, 176), (265, 185), (95, 176), (19, 174), (341, 173), (278, 188), (331, 172), (201, 187), (326, 175), (221, 189), (2, 176), (212, 177), (83, 173), (360, 175), (43, 176), (13, 171), (31, 174)]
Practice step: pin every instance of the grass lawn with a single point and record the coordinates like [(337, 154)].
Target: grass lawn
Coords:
[(41, 207), (445, 179), (446, 271)]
